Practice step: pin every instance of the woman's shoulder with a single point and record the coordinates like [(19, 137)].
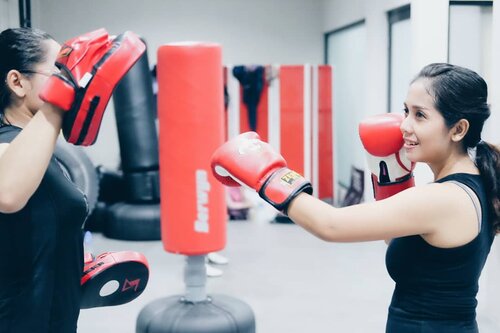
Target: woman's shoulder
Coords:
[(466, 181), (432, 201), (457, 207), (450, 198), (445, 189), (431, 192)]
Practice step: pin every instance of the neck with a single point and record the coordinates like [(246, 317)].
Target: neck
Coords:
[(460, 163), (17, 116)]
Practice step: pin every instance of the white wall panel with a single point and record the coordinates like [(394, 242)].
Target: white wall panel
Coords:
[(9, 14)]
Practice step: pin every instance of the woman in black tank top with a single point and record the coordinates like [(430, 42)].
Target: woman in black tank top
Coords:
[(41, 211), (441, 232)]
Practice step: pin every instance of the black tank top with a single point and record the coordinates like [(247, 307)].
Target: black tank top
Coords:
[(42, 255), (436, 283)]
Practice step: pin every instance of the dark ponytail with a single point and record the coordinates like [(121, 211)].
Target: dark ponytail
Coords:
[(21, 49), (488, 163), (460, 93)]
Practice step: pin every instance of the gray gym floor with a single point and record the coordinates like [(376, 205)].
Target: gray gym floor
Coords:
[(295, 283)]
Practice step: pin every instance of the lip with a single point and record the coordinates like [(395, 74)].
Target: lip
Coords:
[(410, 144), (409, 147)]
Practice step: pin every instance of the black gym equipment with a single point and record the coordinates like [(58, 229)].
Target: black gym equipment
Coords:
[(133, 221), (135, 122), (111, 185), (97, 219), (25, 13), (196, 312), (111, 190), (80, 169), (137, 217)]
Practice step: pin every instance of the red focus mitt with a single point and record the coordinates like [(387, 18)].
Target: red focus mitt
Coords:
[(91, 66), (129, 270)]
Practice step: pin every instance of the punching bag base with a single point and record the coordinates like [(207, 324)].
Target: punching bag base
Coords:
[(136, 222), (218, 314)]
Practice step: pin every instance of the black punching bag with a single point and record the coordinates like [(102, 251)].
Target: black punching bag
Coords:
[(138, 217), (135, 119)]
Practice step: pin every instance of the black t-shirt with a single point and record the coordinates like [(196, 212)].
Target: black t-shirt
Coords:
[(439, 284), (41, 251)]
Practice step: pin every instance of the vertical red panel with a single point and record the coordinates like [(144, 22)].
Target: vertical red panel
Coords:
[(262, 112), (325, 142), (292, 116)]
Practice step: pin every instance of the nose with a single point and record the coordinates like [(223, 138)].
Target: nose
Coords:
[(405, 126)]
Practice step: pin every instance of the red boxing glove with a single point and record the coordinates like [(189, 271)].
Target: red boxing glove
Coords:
[(249, 161), (92, 65), (391, 170)]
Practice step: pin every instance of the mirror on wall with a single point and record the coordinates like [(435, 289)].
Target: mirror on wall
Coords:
[(400, 73), (346, 52)]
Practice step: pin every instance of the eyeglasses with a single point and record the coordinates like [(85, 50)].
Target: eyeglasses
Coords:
[(44, 73)]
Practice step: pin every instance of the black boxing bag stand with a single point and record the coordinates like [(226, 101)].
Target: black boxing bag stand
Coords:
[(195, 311)]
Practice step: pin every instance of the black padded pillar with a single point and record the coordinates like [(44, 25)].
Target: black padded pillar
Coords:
[(134, 111)]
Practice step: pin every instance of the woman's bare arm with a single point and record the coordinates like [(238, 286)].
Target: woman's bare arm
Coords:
[(411, 212), (24, 161)]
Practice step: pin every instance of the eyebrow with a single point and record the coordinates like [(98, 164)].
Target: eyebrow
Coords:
[(418, 107)]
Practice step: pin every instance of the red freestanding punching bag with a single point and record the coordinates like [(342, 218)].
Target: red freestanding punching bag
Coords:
[(191, 116)]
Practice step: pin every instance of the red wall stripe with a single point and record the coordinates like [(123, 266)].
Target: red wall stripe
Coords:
[(325, 142), (292, 116)]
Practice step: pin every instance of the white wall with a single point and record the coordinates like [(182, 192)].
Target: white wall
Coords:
[(9, 14), (258, 31), (250, 32), (470, 44)]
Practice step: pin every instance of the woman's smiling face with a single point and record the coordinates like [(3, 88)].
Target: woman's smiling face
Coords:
[(427, 138)]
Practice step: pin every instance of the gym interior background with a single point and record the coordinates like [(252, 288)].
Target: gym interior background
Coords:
[(293, 282)]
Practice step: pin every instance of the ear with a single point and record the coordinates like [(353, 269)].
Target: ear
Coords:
[(459, 130), (17, 83)]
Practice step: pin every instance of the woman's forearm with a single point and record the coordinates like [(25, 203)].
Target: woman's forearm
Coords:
[(313, 215), (25, 160)]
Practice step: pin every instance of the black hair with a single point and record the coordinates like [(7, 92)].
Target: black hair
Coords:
[(20, 49), (460, 93)]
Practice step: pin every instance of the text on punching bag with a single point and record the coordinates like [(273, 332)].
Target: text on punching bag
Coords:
[(202, 189)]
